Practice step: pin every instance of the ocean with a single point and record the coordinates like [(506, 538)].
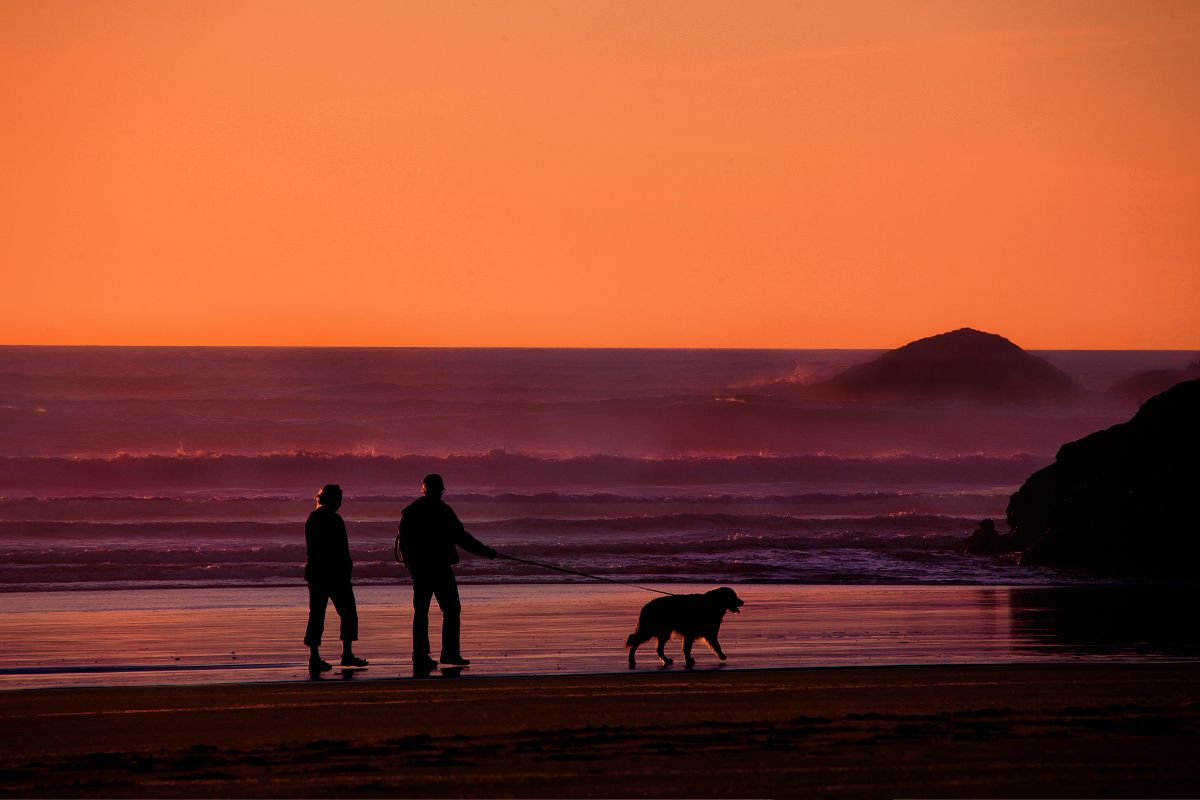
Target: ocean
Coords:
[(162, 468)]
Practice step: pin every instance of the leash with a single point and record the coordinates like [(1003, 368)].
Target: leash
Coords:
[(505, 556), (581, 574)]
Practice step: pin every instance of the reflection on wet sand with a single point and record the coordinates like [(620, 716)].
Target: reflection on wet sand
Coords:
[(1113, 620), (154, 637)]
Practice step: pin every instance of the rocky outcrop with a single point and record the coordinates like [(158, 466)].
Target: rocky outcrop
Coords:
[(965, 364), (1122, 500), (985, 541), (1141, 385)]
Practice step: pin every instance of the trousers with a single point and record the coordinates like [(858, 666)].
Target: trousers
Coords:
[(440, 583), (342, 595)]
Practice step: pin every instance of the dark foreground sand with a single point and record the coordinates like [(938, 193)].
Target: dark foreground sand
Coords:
[(977, 731)]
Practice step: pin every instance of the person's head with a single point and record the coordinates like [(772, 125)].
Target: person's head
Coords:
[(330, 496), (988, 524), (433, 486)]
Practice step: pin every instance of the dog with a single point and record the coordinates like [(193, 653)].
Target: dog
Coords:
[(692, 616)]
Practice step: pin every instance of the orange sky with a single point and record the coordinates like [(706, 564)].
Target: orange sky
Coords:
[(740, 174)]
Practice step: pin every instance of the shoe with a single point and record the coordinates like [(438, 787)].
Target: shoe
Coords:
[(425, 664), (353, 661), (455, 661), (317, 665)]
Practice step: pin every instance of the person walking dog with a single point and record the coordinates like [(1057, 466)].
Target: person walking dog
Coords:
[(429, 537)]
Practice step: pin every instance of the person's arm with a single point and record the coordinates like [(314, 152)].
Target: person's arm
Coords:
[(310, 540), (346, 565), (404, 539), (468, 542), (310, 549)]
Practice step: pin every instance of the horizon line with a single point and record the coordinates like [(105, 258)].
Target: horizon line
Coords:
[(555, 347)]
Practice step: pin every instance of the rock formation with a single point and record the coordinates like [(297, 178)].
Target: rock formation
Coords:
[(965, 364), (1122, 500), (985, 541)]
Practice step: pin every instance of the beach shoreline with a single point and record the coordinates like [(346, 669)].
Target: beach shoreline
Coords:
[(829, 691), (1064, 730), (181, 637)]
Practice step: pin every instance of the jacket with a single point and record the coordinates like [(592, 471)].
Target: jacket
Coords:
[(430, 535), (327, 547)]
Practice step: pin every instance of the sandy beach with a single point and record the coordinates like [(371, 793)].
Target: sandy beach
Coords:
[(969, 731), (886, 691)]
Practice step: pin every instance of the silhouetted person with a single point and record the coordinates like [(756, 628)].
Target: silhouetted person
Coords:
[(327, 571), (429, 538)]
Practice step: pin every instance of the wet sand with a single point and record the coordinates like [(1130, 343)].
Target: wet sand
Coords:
[(1063, 730), (176, 636)]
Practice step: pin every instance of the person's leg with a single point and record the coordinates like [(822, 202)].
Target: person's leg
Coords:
[(318, 599), (446, 591), (343, 601), (422, 595)]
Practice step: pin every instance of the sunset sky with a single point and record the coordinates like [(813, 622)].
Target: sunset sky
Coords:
[(628, 174)]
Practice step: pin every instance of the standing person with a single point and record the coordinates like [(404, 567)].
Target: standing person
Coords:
[(327, 571), (429, 538)]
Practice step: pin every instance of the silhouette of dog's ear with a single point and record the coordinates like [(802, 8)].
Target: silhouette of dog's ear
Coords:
[(733, 601)]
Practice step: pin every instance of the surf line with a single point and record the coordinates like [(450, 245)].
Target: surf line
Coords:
[(580, 574)]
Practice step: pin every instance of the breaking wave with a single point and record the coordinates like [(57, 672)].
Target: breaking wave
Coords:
[(690, 547), (299, 474)]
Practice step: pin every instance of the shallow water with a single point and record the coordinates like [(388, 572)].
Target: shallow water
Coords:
[(189, 636)]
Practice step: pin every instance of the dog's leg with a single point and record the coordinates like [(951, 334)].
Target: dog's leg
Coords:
[(635, 639), (688, 661), (715, 645), (662, 642)]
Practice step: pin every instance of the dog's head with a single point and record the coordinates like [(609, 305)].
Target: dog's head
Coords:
[(727, 599)]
